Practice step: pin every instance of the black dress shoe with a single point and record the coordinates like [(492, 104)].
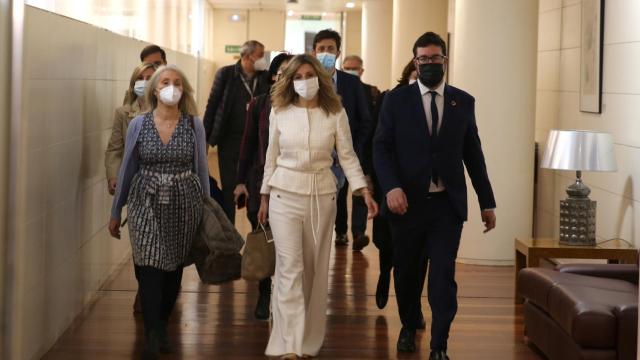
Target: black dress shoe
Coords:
[(438, 355), (407, 340), (420, 323), (360, 241), (382, 289), (342, 240), (262, 307)]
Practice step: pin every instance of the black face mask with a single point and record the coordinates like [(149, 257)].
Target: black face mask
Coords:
[(431, 74)]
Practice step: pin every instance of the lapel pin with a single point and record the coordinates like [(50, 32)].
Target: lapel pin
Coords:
[(453, 103)]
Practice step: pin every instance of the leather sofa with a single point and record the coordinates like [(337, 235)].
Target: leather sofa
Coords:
[(582, 311)]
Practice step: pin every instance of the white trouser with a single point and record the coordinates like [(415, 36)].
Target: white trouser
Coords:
[(302, 227)]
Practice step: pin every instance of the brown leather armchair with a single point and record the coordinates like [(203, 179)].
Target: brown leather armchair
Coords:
[(582, 311)]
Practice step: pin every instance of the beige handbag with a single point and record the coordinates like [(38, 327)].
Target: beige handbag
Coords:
[(259, 257)]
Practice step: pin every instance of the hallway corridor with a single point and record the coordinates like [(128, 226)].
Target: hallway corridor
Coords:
[(216, 322)]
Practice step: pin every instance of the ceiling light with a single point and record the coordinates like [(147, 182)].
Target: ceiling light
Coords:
[(235, 17), (324, 14), (290, 13), (350, 5)]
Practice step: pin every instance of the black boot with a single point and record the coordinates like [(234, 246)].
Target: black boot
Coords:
[(438, 355), (164, 343), (342, 240), (262, 307), (360, 241), (152, 346), (382, 289), (407, 340)]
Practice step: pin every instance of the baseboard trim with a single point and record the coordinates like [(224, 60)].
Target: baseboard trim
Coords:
[(485, 262)]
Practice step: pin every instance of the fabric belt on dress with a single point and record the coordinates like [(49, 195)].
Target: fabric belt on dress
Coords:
[(159, 185)]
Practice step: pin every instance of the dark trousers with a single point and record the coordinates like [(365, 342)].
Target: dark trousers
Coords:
[(158, 293), (264, 285), (383, 240), (428, 232), (228, 156), (358, 213)]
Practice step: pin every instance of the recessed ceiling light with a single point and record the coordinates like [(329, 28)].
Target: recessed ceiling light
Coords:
[(324, 14), (350, 5), (290, 13), (235, 17)]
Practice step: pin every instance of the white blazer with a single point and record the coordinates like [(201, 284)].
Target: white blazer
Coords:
[(301, 142)]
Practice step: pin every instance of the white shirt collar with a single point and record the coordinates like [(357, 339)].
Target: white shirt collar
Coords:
[(424, 90), (335, 76)]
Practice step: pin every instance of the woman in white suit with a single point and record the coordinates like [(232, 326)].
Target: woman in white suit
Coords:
[(307, 123)]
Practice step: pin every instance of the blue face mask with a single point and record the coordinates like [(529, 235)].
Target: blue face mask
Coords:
[(139, 87), (327, 60)]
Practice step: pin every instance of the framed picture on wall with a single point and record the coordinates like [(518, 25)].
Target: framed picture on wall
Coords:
[(592, 29)]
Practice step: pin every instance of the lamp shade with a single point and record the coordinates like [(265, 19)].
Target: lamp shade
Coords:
[(579, 150)]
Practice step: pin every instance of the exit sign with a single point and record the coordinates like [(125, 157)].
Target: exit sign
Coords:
[(311, 17), (232, 49)]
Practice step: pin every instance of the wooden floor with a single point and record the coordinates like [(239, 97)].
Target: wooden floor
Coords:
[(216, 322)]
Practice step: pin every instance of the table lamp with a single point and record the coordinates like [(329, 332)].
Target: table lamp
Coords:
[(580, 151)]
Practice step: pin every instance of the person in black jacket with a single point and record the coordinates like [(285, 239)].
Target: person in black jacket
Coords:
[(353, 64), (234, 87), (427, 135), (381, 228), (251, 167), (326, 47)]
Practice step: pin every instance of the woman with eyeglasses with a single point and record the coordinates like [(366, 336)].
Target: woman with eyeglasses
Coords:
[(307, 123)]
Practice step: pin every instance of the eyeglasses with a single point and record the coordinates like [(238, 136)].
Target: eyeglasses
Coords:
[(435, 59)]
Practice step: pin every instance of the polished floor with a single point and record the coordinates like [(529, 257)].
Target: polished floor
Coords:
[(216, 322)]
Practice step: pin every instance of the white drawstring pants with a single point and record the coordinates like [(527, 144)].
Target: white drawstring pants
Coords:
[(302, 227)]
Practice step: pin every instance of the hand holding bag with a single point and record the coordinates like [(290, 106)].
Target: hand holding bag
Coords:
[(259, 257)]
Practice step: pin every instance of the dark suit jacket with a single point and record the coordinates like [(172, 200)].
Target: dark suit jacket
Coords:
[(226, 85), (355, 104), (403, 156)]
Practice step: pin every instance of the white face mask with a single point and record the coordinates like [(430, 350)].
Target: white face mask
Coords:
[(261, 64), (170, 95), (411, 81), (307, 88), (353, 72), (139, 87)]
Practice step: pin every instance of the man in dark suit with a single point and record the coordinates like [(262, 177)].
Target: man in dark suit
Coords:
[(326, 47), (233, 88), (426, 132)]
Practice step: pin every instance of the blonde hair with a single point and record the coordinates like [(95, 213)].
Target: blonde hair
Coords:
[(130, 95), (284, 95), (187, 104)]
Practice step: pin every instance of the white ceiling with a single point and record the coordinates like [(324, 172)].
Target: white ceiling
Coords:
[(302, 5)]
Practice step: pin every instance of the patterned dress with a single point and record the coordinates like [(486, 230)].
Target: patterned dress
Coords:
[(165, 202)]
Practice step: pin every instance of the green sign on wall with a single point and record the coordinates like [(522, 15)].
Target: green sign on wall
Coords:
[(232, 49), (311, 17)]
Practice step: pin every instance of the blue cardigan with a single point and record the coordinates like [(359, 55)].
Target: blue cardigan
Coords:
[(131, 162)]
